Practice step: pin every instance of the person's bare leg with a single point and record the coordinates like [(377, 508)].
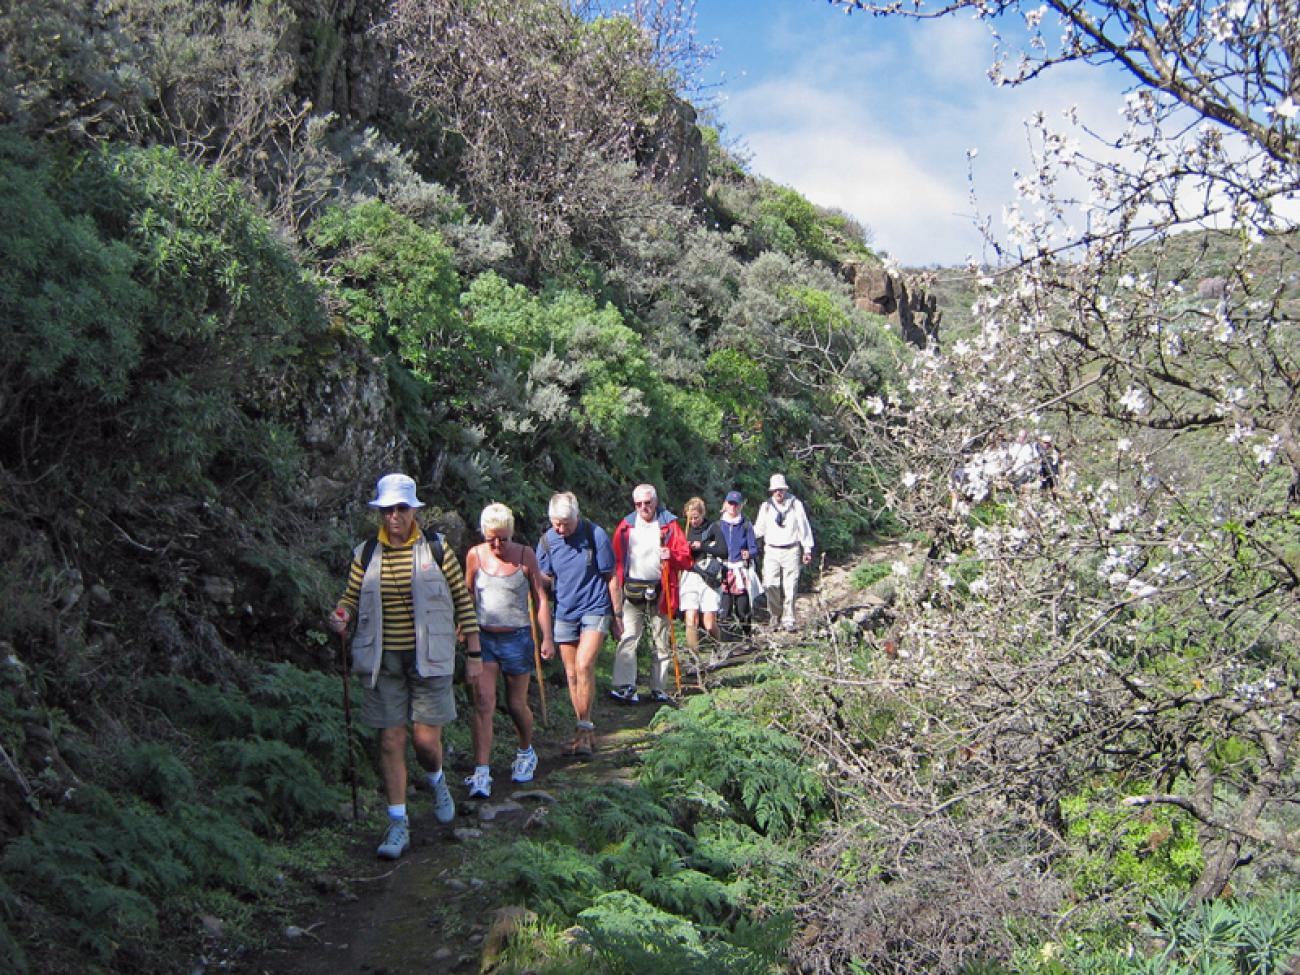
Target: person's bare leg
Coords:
[(485, 705), (428, 745), (693, 631), (520, 712), (392, 763), (589, 644)]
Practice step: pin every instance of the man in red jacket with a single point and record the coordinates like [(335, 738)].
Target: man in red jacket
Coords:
[(645, 542)]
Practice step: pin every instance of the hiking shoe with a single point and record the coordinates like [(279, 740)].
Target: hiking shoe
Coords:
[(480, 784), (625, 695), (525, 764), (444, 809), (660, 697), (396, 840), (789, 626)]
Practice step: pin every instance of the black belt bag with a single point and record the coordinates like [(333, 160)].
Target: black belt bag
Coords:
[(642, 590)]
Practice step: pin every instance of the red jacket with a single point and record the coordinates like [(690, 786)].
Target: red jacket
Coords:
[(679, 554)]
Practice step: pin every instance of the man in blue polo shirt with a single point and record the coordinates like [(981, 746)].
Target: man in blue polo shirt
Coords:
[(577, 557)]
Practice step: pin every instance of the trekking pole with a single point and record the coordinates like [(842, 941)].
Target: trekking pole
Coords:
[(347, 718), (537, 654), (672, 629)]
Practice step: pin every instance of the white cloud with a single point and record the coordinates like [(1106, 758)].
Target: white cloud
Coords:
[(888, 141)]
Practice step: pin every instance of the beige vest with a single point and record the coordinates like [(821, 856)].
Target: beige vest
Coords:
[(435, 616)]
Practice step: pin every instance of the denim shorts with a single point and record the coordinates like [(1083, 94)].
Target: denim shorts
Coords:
[(568, 631), (511, 651), (401, 695)]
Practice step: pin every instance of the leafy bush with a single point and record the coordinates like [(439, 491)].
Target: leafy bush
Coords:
[(147, 303), (633, 936), (706, 751), (396, 287), (106, 870), (1152, 851), (1222, 937)]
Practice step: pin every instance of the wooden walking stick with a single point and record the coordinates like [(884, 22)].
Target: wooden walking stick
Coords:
[(537, 654), (347, 719), (672, 630)]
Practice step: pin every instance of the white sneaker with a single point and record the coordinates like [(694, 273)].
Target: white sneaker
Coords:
[(524, 766), (480, 783), (444, 807), (396, 840)]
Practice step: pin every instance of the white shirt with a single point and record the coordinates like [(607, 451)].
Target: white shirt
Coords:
[(643, 550), (795, 529)]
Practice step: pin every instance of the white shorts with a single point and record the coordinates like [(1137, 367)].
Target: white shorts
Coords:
[(699, 595)]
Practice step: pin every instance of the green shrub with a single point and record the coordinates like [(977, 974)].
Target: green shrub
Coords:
[(1151, 851), (156, 773), (868, 574), (552, 877), (756, 770), (396, 286), (633, 936), (289, 787), (1259, 936), (106, 870)]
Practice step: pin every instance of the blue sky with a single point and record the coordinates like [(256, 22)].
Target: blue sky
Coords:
[(876, 115)]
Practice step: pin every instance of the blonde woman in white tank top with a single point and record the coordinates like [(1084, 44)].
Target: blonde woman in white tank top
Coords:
[(500, 574)]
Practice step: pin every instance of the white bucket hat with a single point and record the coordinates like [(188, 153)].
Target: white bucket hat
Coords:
[(777, 483), (394, 489)]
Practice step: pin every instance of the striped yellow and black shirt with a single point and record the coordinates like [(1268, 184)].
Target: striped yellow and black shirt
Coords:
[(395, 591)]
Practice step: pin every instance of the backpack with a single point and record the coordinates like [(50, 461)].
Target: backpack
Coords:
[(368, 552)]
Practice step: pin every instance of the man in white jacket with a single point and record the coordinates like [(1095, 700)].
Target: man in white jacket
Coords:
[(782, 524)]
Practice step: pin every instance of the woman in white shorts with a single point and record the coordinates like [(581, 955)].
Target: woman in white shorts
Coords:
[(701, 585)]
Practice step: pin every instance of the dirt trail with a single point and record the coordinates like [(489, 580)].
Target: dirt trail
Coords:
[(420, 915)]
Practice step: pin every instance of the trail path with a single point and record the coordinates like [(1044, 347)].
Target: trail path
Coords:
[(420, 914)]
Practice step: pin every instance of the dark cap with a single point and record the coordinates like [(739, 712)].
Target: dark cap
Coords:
[(735, 497)]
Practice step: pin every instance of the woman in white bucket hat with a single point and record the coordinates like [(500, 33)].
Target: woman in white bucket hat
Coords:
[(409, 598)]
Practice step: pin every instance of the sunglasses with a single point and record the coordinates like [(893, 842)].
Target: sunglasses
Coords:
[(396, 509)]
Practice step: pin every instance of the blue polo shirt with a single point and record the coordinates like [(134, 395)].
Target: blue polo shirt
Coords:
[(581, 582)]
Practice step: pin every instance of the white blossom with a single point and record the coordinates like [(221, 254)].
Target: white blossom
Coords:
[(1286, 108), (1133, 401)]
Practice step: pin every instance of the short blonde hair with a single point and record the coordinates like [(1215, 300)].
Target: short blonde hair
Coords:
[(695, 504), (498, 517)]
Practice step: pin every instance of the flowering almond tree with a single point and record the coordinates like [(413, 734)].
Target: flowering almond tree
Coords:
[(1093, 677)]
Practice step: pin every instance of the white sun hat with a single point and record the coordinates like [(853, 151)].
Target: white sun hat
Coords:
[(777, 483), (394, 489)]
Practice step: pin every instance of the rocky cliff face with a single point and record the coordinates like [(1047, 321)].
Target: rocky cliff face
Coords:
[(342, 66), (911, 308), (349, 427), (672, 152)]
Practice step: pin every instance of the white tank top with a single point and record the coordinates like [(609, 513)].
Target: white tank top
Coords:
[(502, 601)]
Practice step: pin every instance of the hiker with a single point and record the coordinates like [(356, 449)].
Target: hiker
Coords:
[(649, 550), (1049, 459), (701, 584), (576, 556), (1024, 465), (502, 574), (400, 575), (739, 583), (787, 537)]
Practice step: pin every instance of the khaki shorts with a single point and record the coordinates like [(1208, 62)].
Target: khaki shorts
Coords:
[(401, 695)]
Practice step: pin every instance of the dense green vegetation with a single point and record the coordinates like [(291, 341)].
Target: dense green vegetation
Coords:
[(257, 257), (225, 314)]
